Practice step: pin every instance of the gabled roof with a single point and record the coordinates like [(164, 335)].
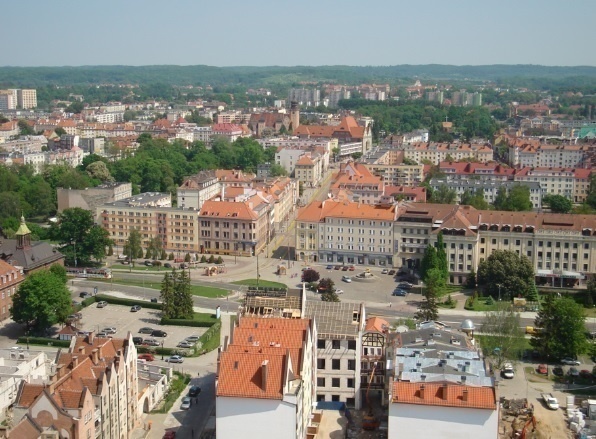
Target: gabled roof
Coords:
[(376, 324), (228, 209), (443, 394)]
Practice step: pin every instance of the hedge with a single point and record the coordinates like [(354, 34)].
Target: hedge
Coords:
[(177, 386), (205, 340), (45, 341), (187, 322)]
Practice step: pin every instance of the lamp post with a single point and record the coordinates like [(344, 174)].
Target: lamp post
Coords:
[(74, 243), (162, 350), (258, 273), (499, 285)]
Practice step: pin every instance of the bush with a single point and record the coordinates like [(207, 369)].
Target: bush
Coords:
[(469, 305), (156, 263), (171, 257), (44, 341), (126, 302), (88, 301), (177, 386), (203, 259), (211, 259), (449, 301), (187, 322), (210, 340), (219, 260), (490, 300), (163, 255), (187, 257)]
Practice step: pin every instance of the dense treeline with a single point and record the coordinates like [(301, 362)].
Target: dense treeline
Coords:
[(538, 77)]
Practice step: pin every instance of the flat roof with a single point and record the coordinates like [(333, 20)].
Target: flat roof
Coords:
[(334, 319)]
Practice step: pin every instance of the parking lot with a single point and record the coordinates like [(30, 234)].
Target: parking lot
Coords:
[(121, 318)]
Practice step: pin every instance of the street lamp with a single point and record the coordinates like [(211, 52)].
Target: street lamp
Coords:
[(74, 243), (499, 285), (162, 350)]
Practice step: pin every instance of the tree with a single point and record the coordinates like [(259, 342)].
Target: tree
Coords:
[(500, 202), (442, 257), (502, 337), (95, 243), (187, 257), (60, 131), (428, 308), (591, 290), (330, 296), (471, 279), (310, 275), (474, 199), (24, 128), (443, 195), (99, 171), (516, 200), (166, 294), (132, 246), (41, 301), (326, 284), (155, 248), (182, 297), (429, 260), (562, 329), (277, 171), (506, 273), (59, 271), (558, 203)]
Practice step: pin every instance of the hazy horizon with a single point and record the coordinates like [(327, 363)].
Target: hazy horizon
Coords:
[(263, 33)]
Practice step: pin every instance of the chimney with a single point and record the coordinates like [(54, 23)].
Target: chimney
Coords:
[(52, 387), (465, 395), (264, 375), (81, 350), (444, 393), (59, 370), (95, 356), (100, 352), (91, 337), (422, 391), (75, 361)]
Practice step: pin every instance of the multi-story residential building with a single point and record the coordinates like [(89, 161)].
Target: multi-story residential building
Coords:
[(269, 124), (297, 143), (388, 164), (241, 227), (25, 144), (334, 96), (373, 358), (438, 152), (339, 329), (266, 379), (346, 232), (489, 189), (309, 169), (548, 156), (26, 98), (305, 96), (8, 129), (197, 189), (288, 155), (284, 193), (93, 393), (7, 100), (229, 130), (203, 134), (358, 182), (93, 145), (347, 131), (10, 279)]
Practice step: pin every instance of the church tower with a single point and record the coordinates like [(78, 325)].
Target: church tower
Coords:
[(294, 115), (23, 235)]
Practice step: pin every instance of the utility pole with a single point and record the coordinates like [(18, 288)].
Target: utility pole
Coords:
[(258, 273)]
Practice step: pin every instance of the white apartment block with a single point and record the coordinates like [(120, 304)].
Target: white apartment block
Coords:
[(338, 350), (197, 189), (542, 155), (438, 152), (8, 100), (26, 98), (202, 134)]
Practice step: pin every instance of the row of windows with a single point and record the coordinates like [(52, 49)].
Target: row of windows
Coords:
[(335, 382), (335, 364), (335, 344)]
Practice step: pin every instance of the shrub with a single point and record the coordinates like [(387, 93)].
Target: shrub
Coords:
[(449, 301), (203, 259), (211, 259), (187, 322), (124, 301), (210, 339), (178, 385), (163, 255), (156, 263), (219, 260), (187, 257), (88, 301), (171, 257), (490, 300), (45, 341)]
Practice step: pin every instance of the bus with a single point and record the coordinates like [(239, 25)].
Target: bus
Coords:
[(93, 273)]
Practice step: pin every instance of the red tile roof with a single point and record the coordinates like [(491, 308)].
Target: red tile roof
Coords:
[(318, 210), (444, 394)]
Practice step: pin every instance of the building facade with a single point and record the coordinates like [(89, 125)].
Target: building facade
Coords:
[(10, 279)]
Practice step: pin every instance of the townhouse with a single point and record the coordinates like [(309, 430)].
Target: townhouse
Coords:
[(521, 154), (265, 379), (309, 169), (288, 156), (93, 392), (10, 279), (562, 248), (358, 181)]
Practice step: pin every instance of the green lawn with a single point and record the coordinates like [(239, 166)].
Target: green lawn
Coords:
[(195, 290), (261, 283)]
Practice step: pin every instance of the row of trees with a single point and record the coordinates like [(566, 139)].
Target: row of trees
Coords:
[(516, 199), (434, 271)]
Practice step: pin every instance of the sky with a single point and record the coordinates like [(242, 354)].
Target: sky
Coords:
[(300, 32)]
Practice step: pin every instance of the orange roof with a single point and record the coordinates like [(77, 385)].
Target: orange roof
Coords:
[(319, 210), (443, 394), (29, 393), (241, 375), (376, 324), (305, 160), (260, 323), (228, 209)]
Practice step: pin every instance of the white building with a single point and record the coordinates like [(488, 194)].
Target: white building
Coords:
[(197, 189), (442, 410), (265, 382)]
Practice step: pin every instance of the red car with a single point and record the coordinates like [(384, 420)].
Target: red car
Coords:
[(169, 435), (344, 268), (146, 357), (542, 369), (352, 268)]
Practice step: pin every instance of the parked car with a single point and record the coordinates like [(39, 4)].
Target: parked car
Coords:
[(192, 338), (146, 330), (186, 403), (148, 264), (135, 308), (573, 372), (154, 300), (558, 371), (103, 334), (391, 272), (344, 268), (159, 333), (337, 267), (400, 292), (146, 357), (151, 342), (329, 267), (73, 317), (405, 285), (385, 271), (542, 369), (585, 374), (339, 291), (102, 304), (194, 391), (169, 435), (305, 268), (137, 340), (570, 361), (84, 294), (185, 345), (167, 265), (109, 330), (125, 262), (347, 279), (351, 268), (75, 303), (508, 371), (175, 359)]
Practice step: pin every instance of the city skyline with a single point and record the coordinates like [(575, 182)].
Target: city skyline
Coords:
[(260, 33)]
